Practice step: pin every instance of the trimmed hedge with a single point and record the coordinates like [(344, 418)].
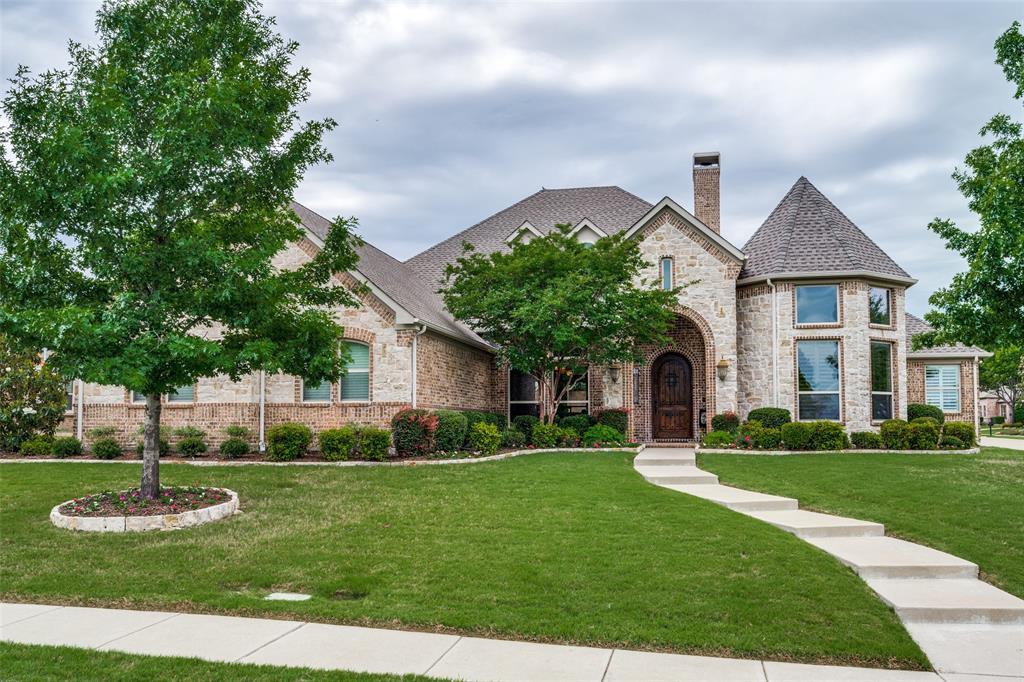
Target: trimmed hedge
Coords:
[(524, 423), (962, 431), (473, 417), (192, 446), (232, 448), (826, 435), (413, 431), (287, 441), (579, 423), (546, 435), (485, 438), (602, 435), (616, 418), (923, 434), (866, 440), (895, 434), (770, 417), (106, 448), (727, 421), (797, 435), (337, 445), (36, 446), (66, 446), (451, 430), (373, 443), (915, 410), (951, 442), (754, 435), (718, 439)]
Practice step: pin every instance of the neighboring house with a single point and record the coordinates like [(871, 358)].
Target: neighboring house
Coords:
[(808, 315), (994, 406)]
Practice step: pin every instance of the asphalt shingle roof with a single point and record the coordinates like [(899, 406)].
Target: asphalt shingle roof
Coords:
[(806, 233), (915, 326), (612, 209)]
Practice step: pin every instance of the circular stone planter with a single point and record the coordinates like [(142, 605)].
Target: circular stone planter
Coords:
[(123, 524)]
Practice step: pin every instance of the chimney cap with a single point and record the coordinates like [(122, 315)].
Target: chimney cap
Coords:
[(706, 159)]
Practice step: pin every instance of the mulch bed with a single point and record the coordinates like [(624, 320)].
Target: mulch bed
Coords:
[(172, 500)]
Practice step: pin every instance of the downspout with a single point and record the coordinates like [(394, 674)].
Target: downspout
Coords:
[(775, 345), (415, 346), (79, 430), (977, 413), (263, 411)]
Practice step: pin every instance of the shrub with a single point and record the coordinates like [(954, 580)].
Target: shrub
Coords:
[(754, 434), (866, 440), (916, 410), (962, 431), (232, 448), (189, 432), (797, 435), (485, 438), (951, 443), (413, 432), (451, 430), (66, 446), (999, 419), (926, 420), (337, 445), (618, 419), (511, 438), (1018, 414), (193, 446), (373, 443), (163, 449), (923, 434), (106, 447), (287, 441), (577, 422), (718, 439), (770, 417), (727, 421), (525, 423), (238, 431), (36, 446), (568, 438), (895, 434), (32, 396), (473, 417), (545, 435), (602, 435), (826, 435), (103, 432)]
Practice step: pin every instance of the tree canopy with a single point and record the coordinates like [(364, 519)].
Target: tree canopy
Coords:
[(33, 396), (145, 190), (554, 306), (1003, 375)]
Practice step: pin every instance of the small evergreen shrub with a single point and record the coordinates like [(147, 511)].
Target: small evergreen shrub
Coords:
[(927, 420), (895, 434), (373, 443), (103, 432), (106, 447), (754, 435), (486, 438), (474, 416), (727, 421), (915, 410), (36, 446), (962, 431), (866, 440), (413, 432), (718, 439), (999, 419), (66, 446), (545, 435), (163, 449), (568, 438), (451, 430), (287, 441), (923, 434), (511, 438), (1018, 414), (577, 422), (233, 448), (951, 443), (193, 446), (189, 432), (525, 423), (770, 417), (337, 445), (797, 435), (238, 431), (603, 436), (826, 435), (616, 418)]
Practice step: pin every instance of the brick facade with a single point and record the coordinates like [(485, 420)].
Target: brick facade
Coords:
[(968, 379), (453, 375)]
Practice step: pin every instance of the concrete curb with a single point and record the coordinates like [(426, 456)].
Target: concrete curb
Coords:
[(129, 524), (742, 451)]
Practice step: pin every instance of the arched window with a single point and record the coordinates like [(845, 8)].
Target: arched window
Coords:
[(355, 383)]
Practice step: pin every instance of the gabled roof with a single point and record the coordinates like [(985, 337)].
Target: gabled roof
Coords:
[(915, 326), (611, 209), (807, 236), (700, 227), (398, 283)]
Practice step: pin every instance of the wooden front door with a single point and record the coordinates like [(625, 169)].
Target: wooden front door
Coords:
[(672, 400)]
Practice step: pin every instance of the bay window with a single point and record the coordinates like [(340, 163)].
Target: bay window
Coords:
[(817, 304), (817, 380)]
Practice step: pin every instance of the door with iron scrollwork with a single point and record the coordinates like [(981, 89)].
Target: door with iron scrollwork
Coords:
[(672, 399)]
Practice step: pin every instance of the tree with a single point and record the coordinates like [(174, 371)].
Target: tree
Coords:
[(1003, 374), (144, 191), (555, 307), (32, 395), (984, 306)]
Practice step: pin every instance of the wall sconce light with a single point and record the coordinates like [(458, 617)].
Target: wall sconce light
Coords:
[(613, 373), (723, 369)]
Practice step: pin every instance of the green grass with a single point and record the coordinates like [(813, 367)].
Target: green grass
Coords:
[(29, 662), (967, 505), (572, 548)]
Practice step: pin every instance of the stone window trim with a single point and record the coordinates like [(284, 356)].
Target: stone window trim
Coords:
[(358, 335), (894, 361), (796, 376), (892, 307), (129, 397), (840, 314)]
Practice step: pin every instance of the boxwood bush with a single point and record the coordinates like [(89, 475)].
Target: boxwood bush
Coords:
[(451, 430), (616, 418), (718, 439), (192, 446), (106, 448), (485, 438), (373, 443), (337, 445), (413, 432), (727, 421), (962, 431), (866, 440), (923, 434), (797, 435), (826, 435), (603, 436), (577, 422), (66, 446), (895, 434), (770, 417), (915, 410), (288, 441), (512, 438), (525, 423), (36, 446), (951, 443), (232, 448)]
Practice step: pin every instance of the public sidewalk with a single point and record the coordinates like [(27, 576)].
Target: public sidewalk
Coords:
[(341, 647), (997, 442)]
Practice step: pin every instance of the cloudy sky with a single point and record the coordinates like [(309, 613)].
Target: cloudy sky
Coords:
[(449, 112)]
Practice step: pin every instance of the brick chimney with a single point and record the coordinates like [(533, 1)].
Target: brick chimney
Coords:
[(706, 169)]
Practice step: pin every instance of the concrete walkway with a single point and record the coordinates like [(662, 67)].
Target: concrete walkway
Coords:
[(341, 647), (969, 629), (996, 442)]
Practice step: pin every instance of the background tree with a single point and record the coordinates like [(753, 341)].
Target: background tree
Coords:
[(144, 190), (1003, 374), (33, 396), (984, 306), (554, 307)]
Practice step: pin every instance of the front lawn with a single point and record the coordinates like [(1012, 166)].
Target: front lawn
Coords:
[(968, 505), (572, 548)]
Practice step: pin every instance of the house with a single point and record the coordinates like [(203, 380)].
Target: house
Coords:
[(808, 315)]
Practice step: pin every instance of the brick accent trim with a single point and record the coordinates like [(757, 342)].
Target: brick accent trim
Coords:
[(668, 216)]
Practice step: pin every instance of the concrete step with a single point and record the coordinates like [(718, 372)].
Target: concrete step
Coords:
[(881, 557), (805, 524), (652, 457), (680, 475), (980, 650), (737, 499), (944, 600)]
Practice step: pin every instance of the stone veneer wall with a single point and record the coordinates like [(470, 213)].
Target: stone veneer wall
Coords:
[(915, 386)]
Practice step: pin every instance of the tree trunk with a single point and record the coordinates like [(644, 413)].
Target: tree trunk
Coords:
[(151, 449)]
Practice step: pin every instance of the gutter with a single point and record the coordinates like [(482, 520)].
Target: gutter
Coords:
[(775, 345), (839, 274), (415, 347), (263, 411)]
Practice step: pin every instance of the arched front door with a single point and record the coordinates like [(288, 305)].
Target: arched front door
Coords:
[(672, 399)]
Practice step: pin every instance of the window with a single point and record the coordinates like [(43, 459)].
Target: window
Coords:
[(881, 380), (577, 400), (355, 383), (878, 306), (666, 273), (942, 387), (817, 304), (316, 393), (69, 394), (523, 393), (138, 397), (818, 380), (183, 394)]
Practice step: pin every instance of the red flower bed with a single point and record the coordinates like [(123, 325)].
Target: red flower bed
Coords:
[(172, 500)]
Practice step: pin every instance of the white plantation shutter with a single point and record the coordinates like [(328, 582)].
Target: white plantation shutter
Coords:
[(942, 387), (355, 383), (316, 393)]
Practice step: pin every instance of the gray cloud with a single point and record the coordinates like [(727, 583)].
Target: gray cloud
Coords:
[(450, 112)]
